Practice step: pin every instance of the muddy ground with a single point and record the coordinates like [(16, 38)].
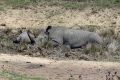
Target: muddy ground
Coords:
[(60, 63)]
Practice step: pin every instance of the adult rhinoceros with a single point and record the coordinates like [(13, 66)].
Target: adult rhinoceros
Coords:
[(41, 37), (74, 38), (25, 37)]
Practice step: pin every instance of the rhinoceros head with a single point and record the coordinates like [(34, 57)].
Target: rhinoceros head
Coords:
[(41, 37), (25, 36)]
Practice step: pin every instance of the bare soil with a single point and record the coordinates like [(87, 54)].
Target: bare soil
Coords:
[(44, 16), (51, 68), (59, 69)]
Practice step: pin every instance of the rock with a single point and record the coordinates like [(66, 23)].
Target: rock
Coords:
[(28, 62), (113, 22), (116, 57), (3, 24), (113, 46)]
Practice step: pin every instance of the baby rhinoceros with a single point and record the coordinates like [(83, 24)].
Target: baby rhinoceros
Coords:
[(74, 38), (26, 37)]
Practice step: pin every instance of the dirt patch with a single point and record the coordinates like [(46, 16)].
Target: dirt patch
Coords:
[(59, 69), (44, 16)]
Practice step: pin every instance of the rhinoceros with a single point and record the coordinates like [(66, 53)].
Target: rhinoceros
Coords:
[(59, 35), (25, 37), (41, 37)]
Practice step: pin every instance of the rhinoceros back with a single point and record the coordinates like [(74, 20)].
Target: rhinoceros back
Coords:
[(75, 37), (56, 34)]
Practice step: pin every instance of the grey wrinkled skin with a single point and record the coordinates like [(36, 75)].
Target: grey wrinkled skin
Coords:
[(25, 37), (41, 37), (74, 38)]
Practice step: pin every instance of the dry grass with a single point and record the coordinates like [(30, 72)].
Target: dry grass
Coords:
[(36, 16)]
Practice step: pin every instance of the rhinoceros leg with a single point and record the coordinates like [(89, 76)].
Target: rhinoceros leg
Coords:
[(79, 45), (54, 43)]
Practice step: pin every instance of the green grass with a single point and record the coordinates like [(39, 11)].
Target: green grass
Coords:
[(108, 33), (6, 61), (1, 8), (85, 3), (6, 42), (53, 13), (94, 26), (106, 3), (119, 13), (60, 21), (69, 4), (17, 3), (70, 79), (93, 50), (23, 46), (11, 75), (77, 4)]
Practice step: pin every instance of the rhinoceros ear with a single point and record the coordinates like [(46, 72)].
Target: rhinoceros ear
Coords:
[(20, 31), (48, 28)]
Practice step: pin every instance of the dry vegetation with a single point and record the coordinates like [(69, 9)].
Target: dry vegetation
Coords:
[(38, 14), (101, 16)]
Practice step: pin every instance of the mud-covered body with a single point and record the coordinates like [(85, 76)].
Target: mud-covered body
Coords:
[(74, 38), (41, 37), (25, 37)]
